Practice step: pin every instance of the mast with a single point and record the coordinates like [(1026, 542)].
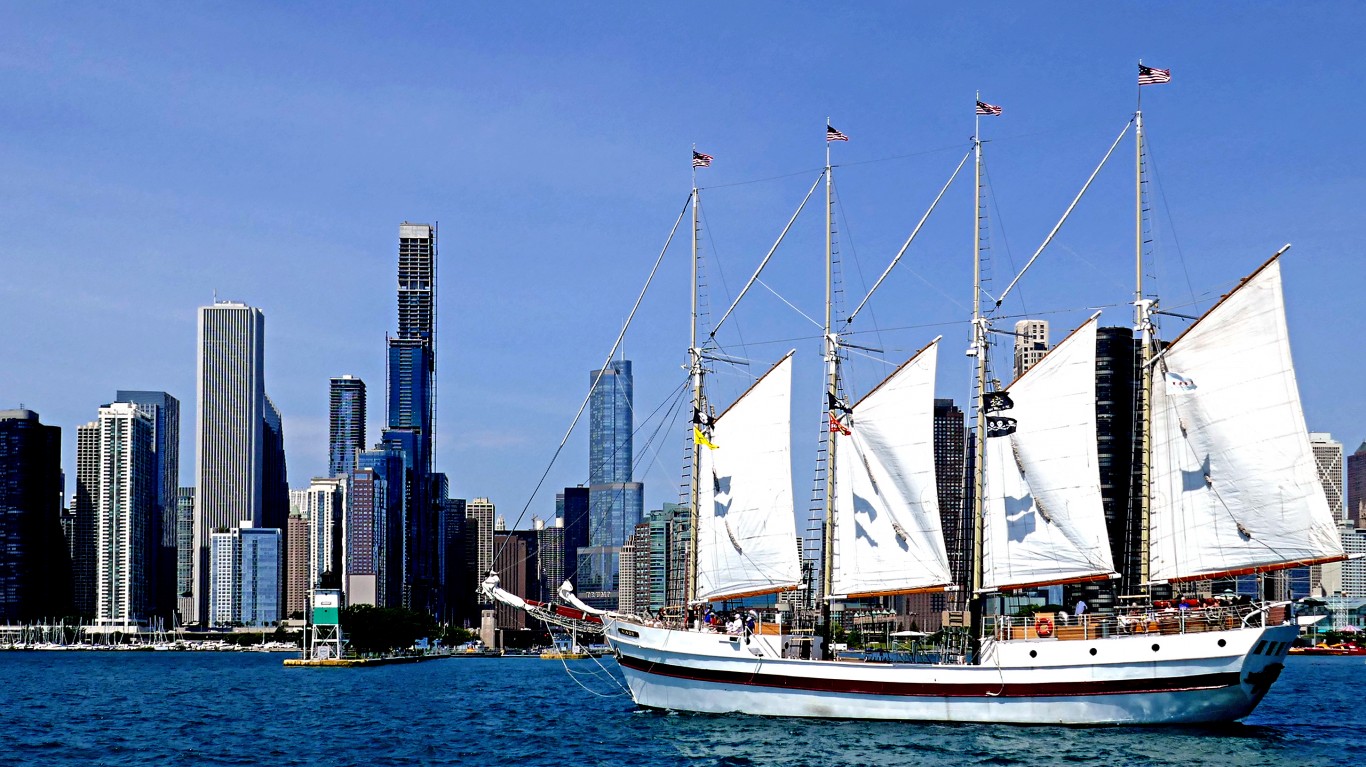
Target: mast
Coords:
[(695, 372), (1143, 324), (978, 349), (832, 390)]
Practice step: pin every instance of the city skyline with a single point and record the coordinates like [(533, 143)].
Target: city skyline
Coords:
[(1065, 84)]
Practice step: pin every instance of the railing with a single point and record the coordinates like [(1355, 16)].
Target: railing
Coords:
[(1191, 620)]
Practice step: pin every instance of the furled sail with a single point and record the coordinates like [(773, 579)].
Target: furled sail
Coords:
[(746, 531), (887, 531), (1234, 484), (1043, 521)]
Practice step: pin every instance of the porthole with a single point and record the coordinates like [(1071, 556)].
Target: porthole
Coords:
[(1093, 651), (1223, 642), (1157, 647)]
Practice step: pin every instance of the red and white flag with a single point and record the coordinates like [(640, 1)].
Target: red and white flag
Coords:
[(1151, 76), (983, 108)]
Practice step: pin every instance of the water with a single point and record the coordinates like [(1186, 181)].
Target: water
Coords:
[(87, 708)]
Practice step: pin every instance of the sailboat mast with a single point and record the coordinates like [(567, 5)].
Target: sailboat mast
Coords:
[(1143, 324), (695, 372), (979, 349), (832, 383)]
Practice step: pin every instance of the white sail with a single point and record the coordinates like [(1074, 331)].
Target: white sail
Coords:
[(1234, 486), (887, 530), (1043, 521), (746, 531)]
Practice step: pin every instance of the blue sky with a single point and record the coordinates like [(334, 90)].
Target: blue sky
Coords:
[(153, 154)]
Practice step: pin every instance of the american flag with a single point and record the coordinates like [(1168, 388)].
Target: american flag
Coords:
[(983, 108), (833, 135), (700, 160), (1150, 76)]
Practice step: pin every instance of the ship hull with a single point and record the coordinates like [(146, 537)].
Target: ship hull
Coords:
[(1189, 678)]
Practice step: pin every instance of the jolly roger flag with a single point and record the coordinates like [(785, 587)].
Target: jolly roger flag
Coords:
[(996, 401), (999, 426)]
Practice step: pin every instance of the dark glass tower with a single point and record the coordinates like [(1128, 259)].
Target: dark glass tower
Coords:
[(411, 410), (164, 412), (346, 424), (955, 514), (35, 570), (616, 504)]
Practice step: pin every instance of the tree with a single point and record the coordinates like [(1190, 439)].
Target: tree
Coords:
[(371, 629)]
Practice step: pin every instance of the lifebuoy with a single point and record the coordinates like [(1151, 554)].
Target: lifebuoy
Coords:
[(1043, 626)]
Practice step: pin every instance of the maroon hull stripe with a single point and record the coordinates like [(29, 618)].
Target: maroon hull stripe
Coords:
[(915, 689)]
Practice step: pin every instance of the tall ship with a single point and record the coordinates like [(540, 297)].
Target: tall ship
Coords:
[(1227, 487)]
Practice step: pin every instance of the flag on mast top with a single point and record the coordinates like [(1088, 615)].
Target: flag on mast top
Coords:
[(700, 160), (833, 135), (983, 108), (1153, 76)]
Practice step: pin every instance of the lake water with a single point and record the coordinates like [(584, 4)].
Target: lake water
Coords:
[(168, 708)]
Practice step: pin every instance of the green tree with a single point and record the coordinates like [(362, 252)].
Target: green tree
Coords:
[(371, 629)]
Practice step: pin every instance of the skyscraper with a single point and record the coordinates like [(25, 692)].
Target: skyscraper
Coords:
[(274, 470), (185, 548), (364, 531), (616, 504), (346, 424), (1031, 344), (1327, 578), (230, 410), (326, 502), (572, 508), (479, 536), (1356, 487), (164, 412), (247, 572), (411, 409), (125, 507), (84, 508), (955, 516), (35, 580), (296, 567)]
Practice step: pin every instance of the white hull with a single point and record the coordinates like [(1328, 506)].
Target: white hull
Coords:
[(1189, 678)]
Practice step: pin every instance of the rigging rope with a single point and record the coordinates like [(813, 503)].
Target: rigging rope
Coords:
[(584, 405)]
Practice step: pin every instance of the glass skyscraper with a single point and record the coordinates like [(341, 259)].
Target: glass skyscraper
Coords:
[(411, 410), (616, 504), (346, 424)]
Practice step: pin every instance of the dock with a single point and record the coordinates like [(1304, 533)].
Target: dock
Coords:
[(362, 662)]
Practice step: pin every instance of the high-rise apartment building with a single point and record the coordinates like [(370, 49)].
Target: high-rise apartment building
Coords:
[(1031, 344), (364, 533), (325, 502), (35, 569), (955, 516), (229, 430), (296, 567), (247, 576), (164, 412), (125, 507), (480, 512), (1356, 487), (346, 424), (184, 568), (616, 503), (83, 509), (515, 562)]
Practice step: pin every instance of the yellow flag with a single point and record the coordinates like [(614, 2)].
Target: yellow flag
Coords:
[(701, 438)]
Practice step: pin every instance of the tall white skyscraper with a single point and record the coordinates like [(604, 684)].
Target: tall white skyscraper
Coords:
[(1328, 461), (230, 400), (247, 578), (325, 507), (1031, 344), (125, 503)]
